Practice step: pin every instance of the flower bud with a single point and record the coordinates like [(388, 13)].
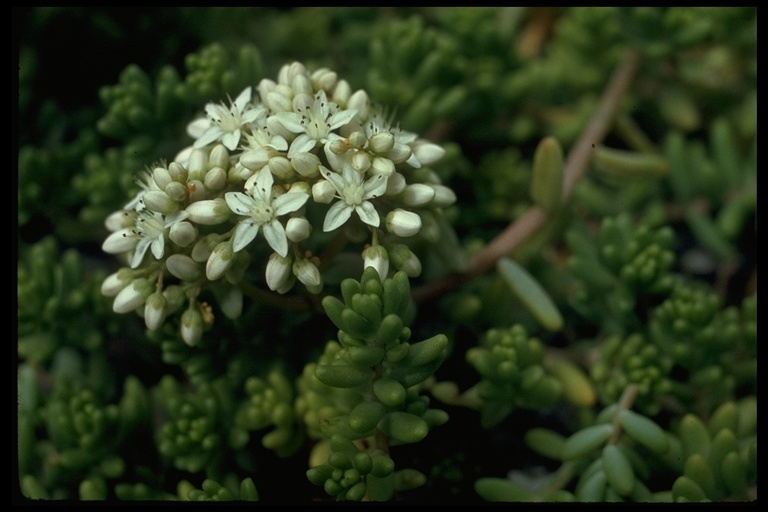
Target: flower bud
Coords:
[(341, 93), (306, 272), (395, 184), (154, 310), (338, 146), (197, 191), (444, 196), (176, 191), (209, 211), (215, 179), (219, 261), (175, 297), (357, 139), (114, 283), (376, 256), (301, 84), (361, 161), (183, 267), (203, 248), (158, 201), (400, 153), (277, 102), (418, 194), (404, 259), (178, 172), (403, 223), (324, 78), (219, 157), (162, 177), (382, 142), (360, 102), (281, 167), (183, 233), (426, 152), (132, 296), (278, 271), (297, 229), (306, 164), (383, 166), (191, 326), (255, 159), (323, 192)]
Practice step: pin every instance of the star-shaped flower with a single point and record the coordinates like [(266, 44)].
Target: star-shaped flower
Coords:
[(151, 229), (261, 209), (314, 122), (354, 195), (224, 123)]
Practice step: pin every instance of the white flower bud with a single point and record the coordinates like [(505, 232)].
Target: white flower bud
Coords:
[(399, 153), (357, 139), (325, 79), (383, 166), (215, 179), (418, 194), (178, 172), (265, 87), (323, 192), (403, 223), (376, 256), (361, 161), (277, 102), (301, 84), (219, 261), (183, 267), (155, 311), (203, 248), (162, 177), (444, 196), (182, 233), (191, 326), (209, 212), (278, 271), (395, 184), (176, 191), (404, 259), (114, 283), (341, 93), (158, 201), (255, 159), (297, 229), (338, 146), (306, 164), (281, 167), (120, 241), (306, 272), (132, 296), (382, 142), (197, 191), (426, 152), (360, 102), (219, 157), (300, 186)]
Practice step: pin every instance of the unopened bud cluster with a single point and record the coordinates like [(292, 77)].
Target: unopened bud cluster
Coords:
[(264, 178)]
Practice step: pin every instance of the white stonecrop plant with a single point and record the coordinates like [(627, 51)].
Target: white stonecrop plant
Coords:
[(289, 159)]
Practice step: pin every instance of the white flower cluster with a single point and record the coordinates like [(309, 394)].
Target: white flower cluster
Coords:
[(280, 154)]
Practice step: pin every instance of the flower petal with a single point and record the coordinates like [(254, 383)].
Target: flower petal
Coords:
[(368, 213), (301, 144), (158, 246), (245, 232), (289, 202), (231, 139), (275, 235), (210, 135), (337, 215), (141, 250), (239, 203)]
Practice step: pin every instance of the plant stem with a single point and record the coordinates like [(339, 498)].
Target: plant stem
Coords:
[(575, 166)]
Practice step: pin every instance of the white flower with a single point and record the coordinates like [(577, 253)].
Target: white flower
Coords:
[(314, 121), (151, 228), (225, 123), (403, 223), (261, 209), (354, 196)]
